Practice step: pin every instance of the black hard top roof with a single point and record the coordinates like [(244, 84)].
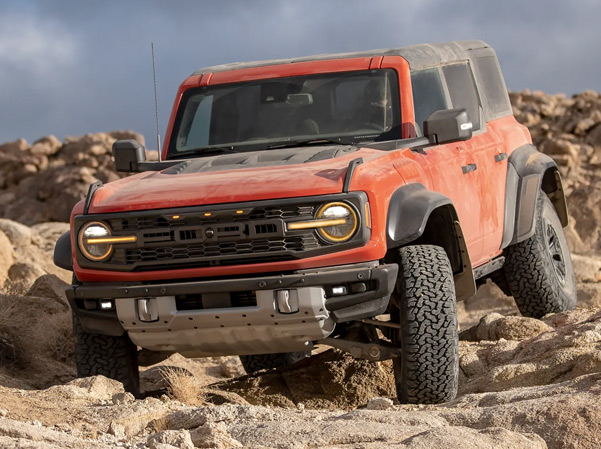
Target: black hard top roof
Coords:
[(419, 56)]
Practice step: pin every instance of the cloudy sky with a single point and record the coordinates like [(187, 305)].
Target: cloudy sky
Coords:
[(69, 67)]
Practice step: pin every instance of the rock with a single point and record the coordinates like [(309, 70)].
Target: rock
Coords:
[(379, 404), (117, 430), (123, 398), (46, 146), (589, 295), (494, 327), (565, 351), (232, 367), (98, 387), (24, 274), (49, 286), (587, 269), (213, 436), (14, 147), (45, 235), (7, 257), (8, 353), (174, 438), (18, 234)]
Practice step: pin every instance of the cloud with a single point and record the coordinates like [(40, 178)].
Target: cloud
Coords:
[(69, 67), (29, 44)]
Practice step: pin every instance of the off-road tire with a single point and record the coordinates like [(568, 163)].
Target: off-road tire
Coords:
[(539, 270), (114, 357), (428, 370), (254, 363)]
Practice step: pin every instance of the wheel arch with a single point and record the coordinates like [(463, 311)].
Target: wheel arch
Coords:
[(528, 173), (418, 216)]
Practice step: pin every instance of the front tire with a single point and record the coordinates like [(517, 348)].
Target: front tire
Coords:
[(539, 270), (114, 357), (428, 370)]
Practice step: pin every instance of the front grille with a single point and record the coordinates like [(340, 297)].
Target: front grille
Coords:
[(214, 251), (224, 238), (219, 235)]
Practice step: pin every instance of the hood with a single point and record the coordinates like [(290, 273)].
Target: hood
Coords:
[(252, 176)]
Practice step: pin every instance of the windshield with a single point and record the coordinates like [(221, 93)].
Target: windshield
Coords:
[(343, 107)]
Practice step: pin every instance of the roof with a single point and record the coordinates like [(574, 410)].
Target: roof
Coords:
[(419, 56)]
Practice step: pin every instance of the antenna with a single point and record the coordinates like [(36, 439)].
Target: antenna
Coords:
[(156, 103)]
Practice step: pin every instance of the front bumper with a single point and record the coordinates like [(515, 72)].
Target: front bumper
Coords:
[(259, 328)]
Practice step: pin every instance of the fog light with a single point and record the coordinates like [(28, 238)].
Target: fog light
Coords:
[(106, 304), (339, 290)]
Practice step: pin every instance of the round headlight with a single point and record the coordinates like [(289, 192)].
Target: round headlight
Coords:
[(345, 219), (90, 241)]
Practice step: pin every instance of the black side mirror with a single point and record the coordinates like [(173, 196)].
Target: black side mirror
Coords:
[(128, 155), (448, 125)]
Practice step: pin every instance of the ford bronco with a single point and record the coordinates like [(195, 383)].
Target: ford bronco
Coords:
[(346, 200)]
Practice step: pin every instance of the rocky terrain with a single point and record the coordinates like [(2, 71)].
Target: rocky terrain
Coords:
[(524, 383)]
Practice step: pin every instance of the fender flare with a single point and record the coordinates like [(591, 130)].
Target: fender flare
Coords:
[(408, 212), (63, 257), (529, 172), (413, 213)]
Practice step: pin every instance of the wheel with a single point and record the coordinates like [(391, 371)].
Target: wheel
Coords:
[(539, 270), (114, 357), (427, 371), (254, 363)]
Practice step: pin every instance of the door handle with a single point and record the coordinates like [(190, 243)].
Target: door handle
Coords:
[(469, 168), (500, 157)]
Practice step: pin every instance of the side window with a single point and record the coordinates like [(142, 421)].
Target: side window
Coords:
[(462, 90), (494, 93), (428, 95)]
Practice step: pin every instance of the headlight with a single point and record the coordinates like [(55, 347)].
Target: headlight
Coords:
[(343, 219), (94, 241)]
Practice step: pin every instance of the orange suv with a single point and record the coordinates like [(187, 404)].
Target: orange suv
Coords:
[(346, 200)]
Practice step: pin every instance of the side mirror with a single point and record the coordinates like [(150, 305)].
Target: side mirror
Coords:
[(128, 155), (449, 125)]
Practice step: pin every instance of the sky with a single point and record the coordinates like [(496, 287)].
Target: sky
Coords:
[(70, 67)]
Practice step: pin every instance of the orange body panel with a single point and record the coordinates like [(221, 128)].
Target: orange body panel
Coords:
[(439, 168)]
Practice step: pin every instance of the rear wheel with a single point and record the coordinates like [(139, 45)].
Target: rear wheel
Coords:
[(114, 357), (427, 371), (539, 270), (254, 363)]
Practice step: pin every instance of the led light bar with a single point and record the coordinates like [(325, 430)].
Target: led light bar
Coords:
[(127, 239), (315, 224)]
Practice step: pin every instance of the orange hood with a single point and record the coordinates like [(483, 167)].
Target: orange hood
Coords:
[(280, 173)]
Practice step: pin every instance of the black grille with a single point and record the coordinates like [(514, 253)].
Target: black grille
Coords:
[(214, 250), (194, 239)]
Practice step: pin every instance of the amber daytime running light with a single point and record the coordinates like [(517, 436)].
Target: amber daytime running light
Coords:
[(96, 241), (334, 222)]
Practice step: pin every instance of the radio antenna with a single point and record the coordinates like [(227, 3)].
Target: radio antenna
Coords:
[(156, 103)]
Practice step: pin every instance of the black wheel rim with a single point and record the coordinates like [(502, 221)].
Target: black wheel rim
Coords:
[(553, 247)]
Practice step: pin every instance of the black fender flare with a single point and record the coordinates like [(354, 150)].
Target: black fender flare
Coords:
[(408, 212), (62, 252), (528, 173), (415, 214)]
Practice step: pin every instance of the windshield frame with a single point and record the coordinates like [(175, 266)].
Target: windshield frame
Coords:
[(352, 137)]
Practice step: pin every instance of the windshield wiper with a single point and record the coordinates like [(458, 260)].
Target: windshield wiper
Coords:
[(304, 143), (204, 152)]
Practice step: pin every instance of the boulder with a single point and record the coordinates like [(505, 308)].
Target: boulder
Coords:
[(51, 287), (7, 257)]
